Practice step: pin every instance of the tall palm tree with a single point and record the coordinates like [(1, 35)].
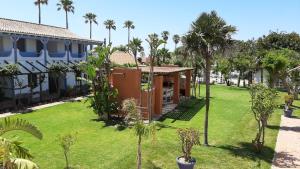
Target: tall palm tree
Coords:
[(165, 37), (90, 18), (67, 6), (12, 153), (129, 25), (135, 46), (209, 34), (176, 39), (39, 3), (110, 24)]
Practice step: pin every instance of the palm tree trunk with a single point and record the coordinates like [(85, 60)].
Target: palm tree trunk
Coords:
[(207, 100), (67, 22), (139, 153), (109, 36), (128, 38), (90, 29), (239, 79), (135, 59), (40, 14)]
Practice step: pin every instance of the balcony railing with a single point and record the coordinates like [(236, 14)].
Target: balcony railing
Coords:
[(5, 53), (29, 54), (57, 55), (77, 55)]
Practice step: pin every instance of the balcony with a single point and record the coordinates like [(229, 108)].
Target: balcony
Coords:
[(29, 54), (57, 55), (78, 55), (5, 53)]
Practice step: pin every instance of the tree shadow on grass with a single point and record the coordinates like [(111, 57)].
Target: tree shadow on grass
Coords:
[(294, 129), (185, 111), (246, 150), (116, 122), (151, 165)]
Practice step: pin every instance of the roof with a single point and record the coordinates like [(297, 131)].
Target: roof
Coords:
[(121, 58), (10, 26), (165, 69)]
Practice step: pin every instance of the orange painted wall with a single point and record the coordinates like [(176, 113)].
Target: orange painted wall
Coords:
[(158, 83), (127, 82), (145, 110)]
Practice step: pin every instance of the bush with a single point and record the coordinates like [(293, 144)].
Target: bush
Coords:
[(188, 137), (263, 101)]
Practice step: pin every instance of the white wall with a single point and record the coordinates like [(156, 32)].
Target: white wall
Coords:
[(61, 47), (7, 44), (74, 47)]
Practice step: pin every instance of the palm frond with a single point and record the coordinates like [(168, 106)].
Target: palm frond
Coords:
[(20, 163), (8, 124)]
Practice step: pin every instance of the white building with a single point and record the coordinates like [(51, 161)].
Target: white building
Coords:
[(34, 48)]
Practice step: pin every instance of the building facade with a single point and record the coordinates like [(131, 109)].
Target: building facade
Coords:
[(34, 48)]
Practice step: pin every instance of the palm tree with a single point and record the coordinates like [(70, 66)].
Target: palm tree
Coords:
[(141, 129), (90, 18), (154, 42), (135, 46), (165, 37), (210, 33), (176, 39), (129, 25), (110, 24), (13, 154), (67, 6), (39, 3)]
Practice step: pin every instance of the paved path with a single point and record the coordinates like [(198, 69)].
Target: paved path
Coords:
[(42, 106), (287, 151)]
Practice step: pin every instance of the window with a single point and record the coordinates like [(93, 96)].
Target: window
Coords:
[(32, 80), (39, 46), (80, 48), (21, 45), (1, 44)]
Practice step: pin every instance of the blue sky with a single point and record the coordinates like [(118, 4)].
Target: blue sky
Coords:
[(253, 18)]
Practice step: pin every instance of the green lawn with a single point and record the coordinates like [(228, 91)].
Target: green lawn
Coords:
[(231, 129)]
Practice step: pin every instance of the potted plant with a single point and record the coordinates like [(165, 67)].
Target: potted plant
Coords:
[(288, 99), (188, 138)]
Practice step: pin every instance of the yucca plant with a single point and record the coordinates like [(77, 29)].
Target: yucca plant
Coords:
[(135, 118), (12, 154)]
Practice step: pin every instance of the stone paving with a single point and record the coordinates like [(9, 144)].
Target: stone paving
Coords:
[(287, 151), (41, 106)]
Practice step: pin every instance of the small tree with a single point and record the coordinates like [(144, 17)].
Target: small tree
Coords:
[(188, 138), (263, 105), (66, 141), (134, 117)]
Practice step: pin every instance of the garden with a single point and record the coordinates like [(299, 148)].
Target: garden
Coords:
[(105, 145)]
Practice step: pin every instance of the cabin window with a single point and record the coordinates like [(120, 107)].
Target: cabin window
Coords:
[(21, 45), (39, 46), (32, 80)]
